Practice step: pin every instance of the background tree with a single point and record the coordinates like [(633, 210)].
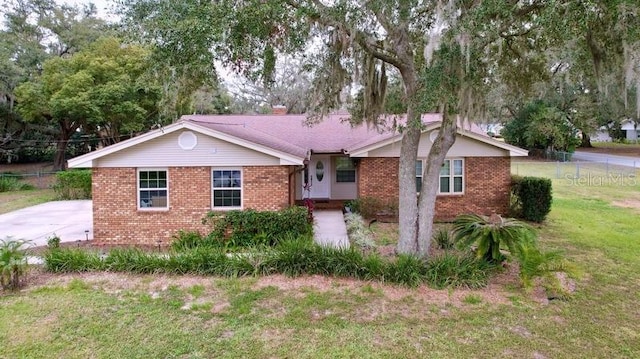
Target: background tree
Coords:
[(212, 100), (541, 126), (288, 86), (101, 89), (591, 60), (34, 31), (176, 32)]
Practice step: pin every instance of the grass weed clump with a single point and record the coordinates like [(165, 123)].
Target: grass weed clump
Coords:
[(292, 257)]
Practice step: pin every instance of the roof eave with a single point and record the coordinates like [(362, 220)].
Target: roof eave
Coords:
[(513, 150), (88, 160)]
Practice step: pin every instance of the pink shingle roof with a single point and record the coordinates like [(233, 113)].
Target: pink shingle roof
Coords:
[(291, 134)]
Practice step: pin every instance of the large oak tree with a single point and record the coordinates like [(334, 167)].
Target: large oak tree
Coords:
[(99, 89), (447, 54)]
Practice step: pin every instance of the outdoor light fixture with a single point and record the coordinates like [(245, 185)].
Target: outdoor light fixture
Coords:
[(86, 234), (78, 242), (159, 245)]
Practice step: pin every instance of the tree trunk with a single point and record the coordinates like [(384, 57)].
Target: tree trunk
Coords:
[(586, 141), (431, 182), (408, 203), (59, 159), (407, 200)]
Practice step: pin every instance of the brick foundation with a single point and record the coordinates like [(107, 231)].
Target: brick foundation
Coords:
[(118, 221), (487, 181)]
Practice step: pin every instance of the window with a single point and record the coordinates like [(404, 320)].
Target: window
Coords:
[(418, 175), (345, 170), (152, 189), (451, 176), (227, 188)]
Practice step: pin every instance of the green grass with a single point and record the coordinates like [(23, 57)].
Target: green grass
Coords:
[(11, 201), (111, 316)]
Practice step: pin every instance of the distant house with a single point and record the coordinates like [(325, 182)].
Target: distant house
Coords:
[(147, 188), (631, 133)]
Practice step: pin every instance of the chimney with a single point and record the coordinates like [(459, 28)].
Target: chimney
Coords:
[(279, 110)]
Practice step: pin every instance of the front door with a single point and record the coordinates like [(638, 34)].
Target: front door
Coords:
[(316, 178)]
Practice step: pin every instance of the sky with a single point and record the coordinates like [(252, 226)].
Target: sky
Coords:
[(101, 5)]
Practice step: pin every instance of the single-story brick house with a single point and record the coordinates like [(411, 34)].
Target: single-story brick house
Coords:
[(147, 188)]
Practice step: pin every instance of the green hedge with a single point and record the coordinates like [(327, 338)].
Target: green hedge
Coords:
[(73, 184), (531, 198), (250, 227), (291, 257)]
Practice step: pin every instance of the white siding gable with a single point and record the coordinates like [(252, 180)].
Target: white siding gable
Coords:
[(463, 147), (166, 151)]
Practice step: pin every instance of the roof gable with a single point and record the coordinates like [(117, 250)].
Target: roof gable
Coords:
[(91, 159)]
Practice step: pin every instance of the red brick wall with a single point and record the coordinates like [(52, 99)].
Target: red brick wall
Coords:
[(118, 221), (378, 177), (486, 190), (266, 187)]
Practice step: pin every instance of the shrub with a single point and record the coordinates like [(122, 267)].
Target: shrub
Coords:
[(64, 260), (184, 240), (535, 263), (353, 205), (294, 258), (73, 184), (359, 234), (490, 233), (370, 207), (13, 263), (442, 237), (10, 183), (250, 227), (53, 242), (531, 197), (453, 270), (408, 270)]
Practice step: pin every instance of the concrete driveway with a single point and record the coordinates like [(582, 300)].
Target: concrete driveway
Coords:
[(67, 219)]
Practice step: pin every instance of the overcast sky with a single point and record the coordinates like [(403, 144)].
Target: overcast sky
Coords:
[(102, 6)]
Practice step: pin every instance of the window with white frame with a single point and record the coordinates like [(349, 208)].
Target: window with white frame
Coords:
[(227, 188), (345, 170), (153, 189), (452, 176)]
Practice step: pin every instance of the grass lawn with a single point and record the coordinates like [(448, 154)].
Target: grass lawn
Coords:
[(11, 201), (107, 315)]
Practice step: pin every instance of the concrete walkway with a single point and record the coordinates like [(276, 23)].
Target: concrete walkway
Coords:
[(329, 229), (67, 219)]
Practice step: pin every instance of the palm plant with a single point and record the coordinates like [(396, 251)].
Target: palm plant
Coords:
[(490, 234), (13, 262)]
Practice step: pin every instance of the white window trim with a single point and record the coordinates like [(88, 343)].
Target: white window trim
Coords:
[(214, 208), (138, 189), (451, 177)]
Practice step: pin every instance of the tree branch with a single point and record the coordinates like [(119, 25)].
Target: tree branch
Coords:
[(363, 39)]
